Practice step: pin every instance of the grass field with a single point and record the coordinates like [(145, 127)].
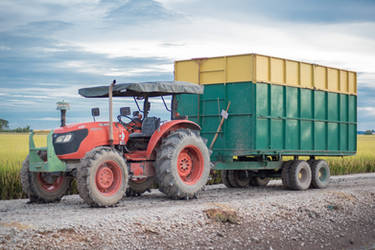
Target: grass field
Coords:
[(14, 149)]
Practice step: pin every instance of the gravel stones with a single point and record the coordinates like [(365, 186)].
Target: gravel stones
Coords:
[(339, 217)]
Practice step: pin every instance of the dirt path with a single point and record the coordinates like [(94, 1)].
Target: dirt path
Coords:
[(339, 217)]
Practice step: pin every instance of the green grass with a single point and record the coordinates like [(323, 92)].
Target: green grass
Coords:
[(14, 149)]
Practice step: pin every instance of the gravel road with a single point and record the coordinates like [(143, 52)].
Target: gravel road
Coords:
[(339, 217)]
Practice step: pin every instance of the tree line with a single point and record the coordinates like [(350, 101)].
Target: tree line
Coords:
[(4, 127)]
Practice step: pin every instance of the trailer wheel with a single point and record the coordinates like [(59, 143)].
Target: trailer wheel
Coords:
[(299, 175), (225, 178), (138, 187), (239, 178), (182, 164), (320, 174), (102, 177), (285, 174), (43, 187), (259, 181)]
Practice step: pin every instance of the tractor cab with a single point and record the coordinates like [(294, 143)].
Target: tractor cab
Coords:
[(131, 155)]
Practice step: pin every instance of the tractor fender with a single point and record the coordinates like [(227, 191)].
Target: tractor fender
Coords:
[(164, 130)]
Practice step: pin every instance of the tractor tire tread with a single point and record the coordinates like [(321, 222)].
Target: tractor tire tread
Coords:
[(83, 180), (164, 174)]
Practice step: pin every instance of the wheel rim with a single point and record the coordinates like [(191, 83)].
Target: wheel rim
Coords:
[(302, 175), (50, 183), (108, 178), (322, 174), (190, 164), (242, 178)]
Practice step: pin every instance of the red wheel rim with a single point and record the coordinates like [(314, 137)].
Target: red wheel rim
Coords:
[(190, 164), (50, 183), (108, 178)]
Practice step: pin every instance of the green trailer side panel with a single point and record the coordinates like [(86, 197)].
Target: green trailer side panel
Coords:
[(267, 119)]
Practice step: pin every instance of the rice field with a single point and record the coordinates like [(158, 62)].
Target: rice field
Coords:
[(14, 149)]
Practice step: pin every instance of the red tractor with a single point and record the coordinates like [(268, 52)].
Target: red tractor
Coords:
[(108, 158)]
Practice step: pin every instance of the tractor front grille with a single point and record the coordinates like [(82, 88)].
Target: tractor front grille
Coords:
[(62, 148)]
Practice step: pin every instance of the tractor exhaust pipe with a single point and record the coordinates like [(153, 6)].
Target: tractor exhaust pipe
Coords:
[(110, 113), (63, 107)]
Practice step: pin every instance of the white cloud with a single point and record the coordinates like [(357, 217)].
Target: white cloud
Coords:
[(201, 31), (367, 111)]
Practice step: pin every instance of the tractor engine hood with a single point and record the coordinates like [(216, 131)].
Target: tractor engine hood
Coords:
[(75, 140)]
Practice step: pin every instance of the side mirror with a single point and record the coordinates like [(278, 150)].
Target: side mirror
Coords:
[(95, 112), (125, 111)]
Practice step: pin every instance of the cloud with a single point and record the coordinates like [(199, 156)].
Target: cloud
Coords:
[(49, 49), (138, 11), (318, 11)]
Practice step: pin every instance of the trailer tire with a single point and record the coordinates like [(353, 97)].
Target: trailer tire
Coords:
[(102, 177), (137, 188), (320, 174), (285, 174), (239, 178), (225, 179), (43, 187), (259, 181), (299, 175), (182, 164)]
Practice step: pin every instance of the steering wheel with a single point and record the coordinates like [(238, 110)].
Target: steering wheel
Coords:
[(123, 123)]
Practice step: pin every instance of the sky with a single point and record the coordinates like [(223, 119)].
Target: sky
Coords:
[(49, 49)]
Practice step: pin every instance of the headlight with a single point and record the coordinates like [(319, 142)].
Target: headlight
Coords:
[(64, 138)]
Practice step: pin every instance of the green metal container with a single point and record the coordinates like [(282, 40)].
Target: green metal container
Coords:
[(269, 120)]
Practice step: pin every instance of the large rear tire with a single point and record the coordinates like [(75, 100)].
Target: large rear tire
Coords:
[(320, 174), (44, 187), (102, 177), (182, 164)]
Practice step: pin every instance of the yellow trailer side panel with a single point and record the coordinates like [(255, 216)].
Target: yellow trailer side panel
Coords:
[(261, 68)]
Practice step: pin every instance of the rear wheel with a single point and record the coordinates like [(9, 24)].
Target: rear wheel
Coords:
[(182, 164), (299, 175), (320, 174), (239, 178), (102, 177), (43, 186)]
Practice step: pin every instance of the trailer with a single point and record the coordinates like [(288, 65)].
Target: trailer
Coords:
[(260, 115)]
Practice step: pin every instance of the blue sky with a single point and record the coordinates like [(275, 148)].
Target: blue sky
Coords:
[(50, 49)]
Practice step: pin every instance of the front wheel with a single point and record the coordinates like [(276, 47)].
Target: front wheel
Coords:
[(42, 186), (182, 164), (102, 177)]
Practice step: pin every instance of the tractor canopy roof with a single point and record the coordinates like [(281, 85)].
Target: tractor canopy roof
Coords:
[(159, 88)]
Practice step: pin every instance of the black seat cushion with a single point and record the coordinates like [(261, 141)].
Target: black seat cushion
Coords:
[(149, 125)]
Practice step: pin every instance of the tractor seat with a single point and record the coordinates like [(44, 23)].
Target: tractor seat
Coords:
[(149, 125)]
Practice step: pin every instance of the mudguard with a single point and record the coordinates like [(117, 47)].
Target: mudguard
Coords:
[(165, 129)]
